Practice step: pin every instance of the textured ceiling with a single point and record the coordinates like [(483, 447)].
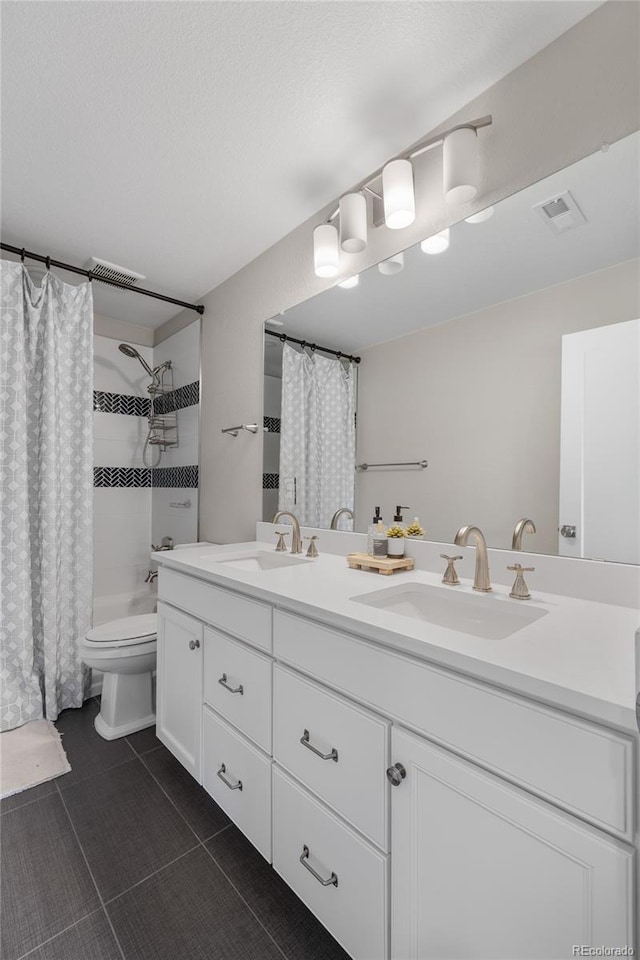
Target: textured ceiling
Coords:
[(510, 255), (183, 139)]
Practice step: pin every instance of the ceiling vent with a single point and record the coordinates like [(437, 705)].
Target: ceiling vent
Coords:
[(560, 213), (112, 273)]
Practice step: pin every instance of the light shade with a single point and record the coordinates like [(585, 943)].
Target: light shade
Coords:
[(460, 165), (325, 250), (392, 265), (350, 282), (438, 243), (480, 217), (398, 195), (353, 223)]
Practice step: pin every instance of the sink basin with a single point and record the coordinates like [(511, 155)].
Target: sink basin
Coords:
[(486, 616), (258, 560)]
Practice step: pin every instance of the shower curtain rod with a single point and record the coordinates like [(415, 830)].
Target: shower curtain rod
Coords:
[(50, 262), (313, 346)]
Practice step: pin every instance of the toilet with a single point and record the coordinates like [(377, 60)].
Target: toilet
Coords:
[(125, 651)]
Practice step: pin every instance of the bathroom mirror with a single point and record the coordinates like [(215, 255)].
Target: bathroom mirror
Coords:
[(508, 362)]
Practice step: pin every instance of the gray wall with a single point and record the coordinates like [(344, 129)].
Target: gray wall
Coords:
[(480, 399), (552, 111)]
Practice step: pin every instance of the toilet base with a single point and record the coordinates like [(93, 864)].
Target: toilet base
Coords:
[(126, 705)]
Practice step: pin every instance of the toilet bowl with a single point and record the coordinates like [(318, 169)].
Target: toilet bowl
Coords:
[(125, 651)]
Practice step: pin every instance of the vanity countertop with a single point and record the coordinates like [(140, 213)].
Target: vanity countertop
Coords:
[(579, 657)]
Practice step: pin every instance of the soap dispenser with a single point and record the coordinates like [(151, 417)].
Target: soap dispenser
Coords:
[(372, 530), (398, 520)]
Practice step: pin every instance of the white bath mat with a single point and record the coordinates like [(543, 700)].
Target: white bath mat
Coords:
[(29, 755)]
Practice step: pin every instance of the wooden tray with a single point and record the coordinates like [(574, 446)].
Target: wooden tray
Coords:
[(384, 565)]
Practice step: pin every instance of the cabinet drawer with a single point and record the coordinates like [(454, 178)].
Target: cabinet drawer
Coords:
[(237, 683), (225, 754), (581, 766), (244, 618), (354, 906), (307, 718)]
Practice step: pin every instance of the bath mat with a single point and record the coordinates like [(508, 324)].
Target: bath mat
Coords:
[(30, 755)]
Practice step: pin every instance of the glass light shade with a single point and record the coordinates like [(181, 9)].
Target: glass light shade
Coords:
[(460, 165), (438, 243), (325, 250), (353, 223), (350, 282), (398, 194), (392, 265), (480, 217)]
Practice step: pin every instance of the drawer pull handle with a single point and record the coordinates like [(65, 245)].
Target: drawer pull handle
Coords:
[(194, 644), (226, 781), (223, 683), (304, 740), (332, 881)]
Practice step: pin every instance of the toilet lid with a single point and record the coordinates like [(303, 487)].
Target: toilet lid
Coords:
[(128, 628)]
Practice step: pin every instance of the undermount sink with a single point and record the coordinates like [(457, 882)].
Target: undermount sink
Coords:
[(486, 616), (258, 560)]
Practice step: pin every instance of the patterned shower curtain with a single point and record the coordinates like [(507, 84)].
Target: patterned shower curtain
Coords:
[(317, 436), (46, 493)]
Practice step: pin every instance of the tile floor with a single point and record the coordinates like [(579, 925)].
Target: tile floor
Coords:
[(127, 858)]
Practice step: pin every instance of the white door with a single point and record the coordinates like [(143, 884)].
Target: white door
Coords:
[(481, 869), (600, 444), (179, 686)]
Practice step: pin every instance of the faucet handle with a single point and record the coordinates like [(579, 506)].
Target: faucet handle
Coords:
[(281, 546), (313, 549), (520, 590), (450, 575)]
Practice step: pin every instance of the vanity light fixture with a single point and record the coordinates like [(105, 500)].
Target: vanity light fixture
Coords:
[(350, 282), (392, 265), (353, 222), (398, 194), (438, 243), (395, 204), (480, 217)]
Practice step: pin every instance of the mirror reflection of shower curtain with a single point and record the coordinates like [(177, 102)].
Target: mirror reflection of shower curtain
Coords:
[(317, 437)]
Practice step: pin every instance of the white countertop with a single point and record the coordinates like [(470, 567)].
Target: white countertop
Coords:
[(579, 657)]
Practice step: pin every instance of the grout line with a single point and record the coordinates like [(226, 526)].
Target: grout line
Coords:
[(152, 874), (93, 879), (137, 752), (59, 934), (97, 773), (218, 832), (27, 803), (247, 905), (170, 799)]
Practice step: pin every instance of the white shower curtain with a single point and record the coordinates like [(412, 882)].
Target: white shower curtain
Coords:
[(46, 493), (317, 437)]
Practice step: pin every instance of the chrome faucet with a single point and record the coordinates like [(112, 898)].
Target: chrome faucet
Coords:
[(151, 576), (337, 515), (522, 526), (481, 580), (296, 540)]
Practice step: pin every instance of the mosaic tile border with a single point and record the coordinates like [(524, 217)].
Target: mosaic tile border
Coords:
[(272, 424), (122, 403), (175, 476), (270, 481), (122, 476), (186, 396)]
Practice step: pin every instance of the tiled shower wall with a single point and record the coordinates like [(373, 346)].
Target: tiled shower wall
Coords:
[(133, 505)]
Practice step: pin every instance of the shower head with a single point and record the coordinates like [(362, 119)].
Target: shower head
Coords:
[(130, 351)]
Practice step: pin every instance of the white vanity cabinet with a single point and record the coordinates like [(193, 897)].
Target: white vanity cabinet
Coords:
[(482, 869), (179, 686)]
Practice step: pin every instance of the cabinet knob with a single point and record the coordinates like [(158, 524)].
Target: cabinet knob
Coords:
[(396, 774), (194, 644)]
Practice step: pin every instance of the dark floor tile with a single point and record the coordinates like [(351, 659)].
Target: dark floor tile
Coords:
[(293, 927), (203, 814), (45, 884), (189, 911), (91, 939), (126, 826), (87, 751), (27, 796), (144, 740)]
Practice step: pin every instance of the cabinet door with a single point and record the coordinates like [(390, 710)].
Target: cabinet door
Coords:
[(481, 869), (179, 686)]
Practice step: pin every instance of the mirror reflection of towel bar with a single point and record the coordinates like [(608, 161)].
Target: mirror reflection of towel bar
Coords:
[(234, 431), (411, 463)]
